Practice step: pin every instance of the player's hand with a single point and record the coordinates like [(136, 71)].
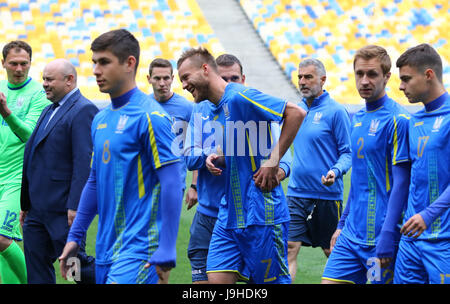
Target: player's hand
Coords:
[(414, 226), (266, 178), (162, 272), (22, 216), (281, 174), (385, 262), (334, 238), (329, 179), (71, 216), (70, 250), (4, 110), (191, 198), (211, 162)]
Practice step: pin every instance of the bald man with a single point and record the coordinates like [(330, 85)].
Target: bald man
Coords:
[(56, 167)]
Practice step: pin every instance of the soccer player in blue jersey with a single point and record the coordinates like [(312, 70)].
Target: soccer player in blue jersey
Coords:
[(322, 156), (133, 175), (206, 123), (380, 169), (207, 119), (423, 254), (249, 240), (179, 108)]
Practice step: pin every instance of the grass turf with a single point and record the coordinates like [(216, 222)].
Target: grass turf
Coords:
[(311, 261)]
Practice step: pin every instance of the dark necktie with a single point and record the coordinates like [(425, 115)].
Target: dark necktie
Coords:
[(43, 124), (50, 112)]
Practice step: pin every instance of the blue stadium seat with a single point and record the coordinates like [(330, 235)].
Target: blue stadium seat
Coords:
[(64, 28), (333, 30)]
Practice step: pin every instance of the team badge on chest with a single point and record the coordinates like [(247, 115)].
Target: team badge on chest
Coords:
[(121, 124), (437, 123), (374, 124)]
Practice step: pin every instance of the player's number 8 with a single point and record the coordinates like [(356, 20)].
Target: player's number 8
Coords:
[(106, 155)]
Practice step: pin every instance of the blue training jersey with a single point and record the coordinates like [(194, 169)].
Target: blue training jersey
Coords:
[(130, 144), (379, 139), (322, 143), (250, 120), (180, 110), (204, 135), (429, 141)]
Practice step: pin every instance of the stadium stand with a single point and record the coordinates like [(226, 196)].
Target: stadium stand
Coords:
[(65, 29), (333, 30)]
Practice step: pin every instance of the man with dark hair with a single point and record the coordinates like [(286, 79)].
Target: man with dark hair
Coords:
[(160, 77), (230, 68), (114, 42), (17, 45), (380, 170), (22, 100), (131, 181), (249, 240), (423, 251), (179, 108)]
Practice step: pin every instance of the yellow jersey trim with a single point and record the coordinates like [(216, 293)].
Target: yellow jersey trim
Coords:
[(140, 178), (261, 106), (153, 143)]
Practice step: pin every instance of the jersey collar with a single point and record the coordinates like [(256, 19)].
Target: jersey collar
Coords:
[(376, 104), (18, 86), (122, 99), (317, 101), (437, 103)]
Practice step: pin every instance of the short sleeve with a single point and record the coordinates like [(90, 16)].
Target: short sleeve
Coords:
[(159, 139), (262, 106), (400, 148)]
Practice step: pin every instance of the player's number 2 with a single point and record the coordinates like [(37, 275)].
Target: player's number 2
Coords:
[(360, 143)]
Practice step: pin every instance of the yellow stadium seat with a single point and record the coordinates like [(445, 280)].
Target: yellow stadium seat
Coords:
[(172, 5)]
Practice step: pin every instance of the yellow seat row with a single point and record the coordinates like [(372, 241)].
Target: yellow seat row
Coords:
[(333, 30), (65, 29)]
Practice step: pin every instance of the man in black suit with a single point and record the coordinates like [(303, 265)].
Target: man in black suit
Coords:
[(56, 166)]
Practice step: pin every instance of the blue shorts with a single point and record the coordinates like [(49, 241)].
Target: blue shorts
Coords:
[(126, 271), (313, 221), (423, 262), (350, 262), (201, 231), (258, 254)]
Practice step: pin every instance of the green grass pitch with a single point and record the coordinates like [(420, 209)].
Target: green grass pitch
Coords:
[(311, 261)]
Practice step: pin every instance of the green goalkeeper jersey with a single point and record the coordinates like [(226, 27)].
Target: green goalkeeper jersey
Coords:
[(26, 102)]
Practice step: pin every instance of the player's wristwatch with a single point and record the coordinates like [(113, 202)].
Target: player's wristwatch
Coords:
[(194, 187)]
